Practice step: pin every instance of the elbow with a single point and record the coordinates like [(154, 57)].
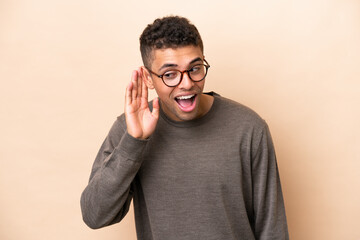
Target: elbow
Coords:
[(88, 215), (90, 223), (97, 214), (96, 221)]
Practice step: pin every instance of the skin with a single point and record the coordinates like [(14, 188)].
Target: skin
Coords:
[(141, 122)]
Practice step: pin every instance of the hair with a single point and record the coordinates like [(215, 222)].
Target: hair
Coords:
[(168, 32)]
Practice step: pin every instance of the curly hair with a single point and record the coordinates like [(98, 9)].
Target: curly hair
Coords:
[(168, 32)]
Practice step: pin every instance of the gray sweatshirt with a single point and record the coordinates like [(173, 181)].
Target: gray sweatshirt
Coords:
[(212, 178)]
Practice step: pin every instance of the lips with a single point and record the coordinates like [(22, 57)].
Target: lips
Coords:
[(186, 103)]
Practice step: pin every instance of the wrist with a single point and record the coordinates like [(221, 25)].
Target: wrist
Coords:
[(131, 147), (137, 135)]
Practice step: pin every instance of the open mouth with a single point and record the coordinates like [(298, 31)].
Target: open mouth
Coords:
[(186, 102)]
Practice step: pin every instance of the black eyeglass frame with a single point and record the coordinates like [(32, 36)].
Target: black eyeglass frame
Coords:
[(207, 66)]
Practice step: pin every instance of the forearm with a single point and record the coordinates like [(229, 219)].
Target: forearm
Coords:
[(107, 197)]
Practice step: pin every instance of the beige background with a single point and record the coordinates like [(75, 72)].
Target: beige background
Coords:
[(64, 65)]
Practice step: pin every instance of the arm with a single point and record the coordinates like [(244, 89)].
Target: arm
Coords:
[(107, 197), (269, 209)]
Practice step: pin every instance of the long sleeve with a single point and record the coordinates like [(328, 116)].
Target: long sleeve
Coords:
[(269, 210), (107, 197)]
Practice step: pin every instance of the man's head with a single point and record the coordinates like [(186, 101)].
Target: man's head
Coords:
[(168, 32), (172, 52)]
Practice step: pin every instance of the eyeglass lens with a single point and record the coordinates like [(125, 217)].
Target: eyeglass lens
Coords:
[(196, 73)]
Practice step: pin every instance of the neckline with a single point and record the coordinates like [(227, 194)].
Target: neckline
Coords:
[(197, 121)]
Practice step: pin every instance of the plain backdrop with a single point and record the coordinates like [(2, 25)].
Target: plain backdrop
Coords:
[(64, 65)]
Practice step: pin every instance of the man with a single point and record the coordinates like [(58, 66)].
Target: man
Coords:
[(196, 165)]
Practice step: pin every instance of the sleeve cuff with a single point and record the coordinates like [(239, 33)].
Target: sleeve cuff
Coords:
[(130, 147)]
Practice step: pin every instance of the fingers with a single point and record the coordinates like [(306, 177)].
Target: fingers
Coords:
[(128, 93), (134, 80), (144, 87), (136, 89), (156, 108), (140, 82)]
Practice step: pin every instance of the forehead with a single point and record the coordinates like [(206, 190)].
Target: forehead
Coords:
[(180, 56)]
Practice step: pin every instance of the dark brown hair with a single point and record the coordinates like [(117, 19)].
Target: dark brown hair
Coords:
[(168, 32)]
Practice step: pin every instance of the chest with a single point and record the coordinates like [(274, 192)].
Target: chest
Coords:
[(193, 161)]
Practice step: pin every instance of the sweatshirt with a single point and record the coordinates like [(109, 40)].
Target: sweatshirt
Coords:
[(211, 178)]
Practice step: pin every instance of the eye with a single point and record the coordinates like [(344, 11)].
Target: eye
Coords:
[(195, 69), (170, 74)]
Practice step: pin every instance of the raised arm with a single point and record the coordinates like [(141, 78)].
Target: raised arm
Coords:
[(106, 198)]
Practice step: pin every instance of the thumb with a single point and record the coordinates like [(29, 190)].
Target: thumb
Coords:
[(156, 108)]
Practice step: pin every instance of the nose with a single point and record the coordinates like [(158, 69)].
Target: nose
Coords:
[(186, 82)]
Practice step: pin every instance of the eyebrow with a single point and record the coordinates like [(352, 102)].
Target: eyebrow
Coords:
[(166, 65)]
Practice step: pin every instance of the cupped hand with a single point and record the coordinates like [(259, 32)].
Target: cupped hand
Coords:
[(140, 121)]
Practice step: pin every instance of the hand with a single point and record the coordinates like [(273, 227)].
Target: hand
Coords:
[(140, 121)]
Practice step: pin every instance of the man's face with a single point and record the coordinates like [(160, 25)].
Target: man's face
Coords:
[(185, 101)]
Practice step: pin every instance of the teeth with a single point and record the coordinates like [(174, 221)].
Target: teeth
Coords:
[(185, 97)]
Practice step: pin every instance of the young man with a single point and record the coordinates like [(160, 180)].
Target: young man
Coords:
[(196, 165)]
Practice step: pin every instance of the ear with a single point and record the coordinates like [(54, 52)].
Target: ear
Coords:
[(147, 78)]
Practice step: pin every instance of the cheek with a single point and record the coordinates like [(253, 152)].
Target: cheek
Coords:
[(163, 92), (201, 84)]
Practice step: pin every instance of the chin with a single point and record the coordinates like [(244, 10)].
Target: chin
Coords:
[(186, 116)]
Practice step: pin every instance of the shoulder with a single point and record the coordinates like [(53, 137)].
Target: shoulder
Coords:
[(233, 112)]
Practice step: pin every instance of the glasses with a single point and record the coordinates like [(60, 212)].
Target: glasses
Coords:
[(173, 78)]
